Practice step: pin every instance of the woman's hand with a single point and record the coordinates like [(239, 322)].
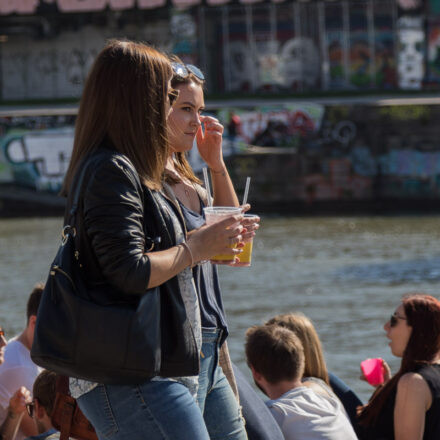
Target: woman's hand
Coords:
[(209, 143), (386, 371), (217, 238), (250, 224), (17, 403)]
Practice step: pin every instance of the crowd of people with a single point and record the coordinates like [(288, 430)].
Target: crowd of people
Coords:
[(141, 225)]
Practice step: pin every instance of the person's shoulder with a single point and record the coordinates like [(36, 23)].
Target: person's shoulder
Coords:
[(413, 385), (410, 380), (108, 170), (15, 355)]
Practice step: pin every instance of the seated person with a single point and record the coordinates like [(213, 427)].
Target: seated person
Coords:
[(302, 409), (260, 425), (315, 365), (39, 408), (407, 406), (18, 370)]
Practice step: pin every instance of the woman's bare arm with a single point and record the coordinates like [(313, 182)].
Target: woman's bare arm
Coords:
[(413, 399)]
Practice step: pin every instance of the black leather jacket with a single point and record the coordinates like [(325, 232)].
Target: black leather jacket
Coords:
[(118, 221)]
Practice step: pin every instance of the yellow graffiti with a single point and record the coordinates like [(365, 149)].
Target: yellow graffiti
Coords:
[(405, 112)]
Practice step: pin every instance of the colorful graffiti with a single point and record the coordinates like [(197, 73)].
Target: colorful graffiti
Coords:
[(320, 153), (346, 153), (35, 151)]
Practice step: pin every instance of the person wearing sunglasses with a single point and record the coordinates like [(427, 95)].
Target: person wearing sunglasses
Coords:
[(407, 406), (186, 125), (131, 239)]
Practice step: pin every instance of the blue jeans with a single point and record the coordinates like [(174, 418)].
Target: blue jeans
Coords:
[(215, 397), (154, 410)]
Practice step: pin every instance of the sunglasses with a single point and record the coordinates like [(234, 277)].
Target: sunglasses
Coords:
[(394, 319), (172, 96), (2, 333), (30, 408), (183, 70)]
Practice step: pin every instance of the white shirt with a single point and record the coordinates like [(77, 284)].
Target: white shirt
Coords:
[(304, 414), (16, 371)]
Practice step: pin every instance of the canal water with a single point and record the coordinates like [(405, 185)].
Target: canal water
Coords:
[(346, 273)]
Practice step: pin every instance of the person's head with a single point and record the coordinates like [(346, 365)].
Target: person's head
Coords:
[(303, 328), (44, 393), (125, 104), (414, 329), (414, 333), (32, 306), (184, 122), (274, 354), (3, 344)]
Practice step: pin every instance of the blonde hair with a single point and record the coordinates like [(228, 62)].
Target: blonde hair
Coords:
[(303, 327)]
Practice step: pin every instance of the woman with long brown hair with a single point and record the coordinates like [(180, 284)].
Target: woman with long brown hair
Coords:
[(407, 407), (131, 238)]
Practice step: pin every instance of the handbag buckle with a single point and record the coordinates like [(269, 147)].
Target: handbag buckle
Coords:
[(66, 231)]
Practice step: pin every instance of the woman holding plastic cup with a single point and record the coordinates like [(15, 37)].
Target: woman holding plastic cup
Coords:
[(407, 406), (215, 396)]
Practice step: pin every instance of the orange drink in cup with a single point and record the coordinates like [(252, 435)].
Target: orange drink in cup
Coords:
[(214, 214), (246, 255)]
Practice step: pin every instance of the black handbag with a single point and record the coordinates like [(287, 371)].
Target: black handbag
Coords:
[(77, 337)]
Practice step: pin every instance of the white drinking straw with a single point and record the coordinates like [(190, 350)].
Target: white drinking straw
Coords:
[(246, 190), (208, 188)]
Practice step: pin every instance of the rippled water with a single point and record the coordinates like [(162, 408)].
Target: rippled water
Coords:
[(347, 274)]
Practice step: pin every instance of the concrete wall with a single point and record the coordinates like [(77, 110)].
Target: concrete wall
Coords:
[(57, 67)]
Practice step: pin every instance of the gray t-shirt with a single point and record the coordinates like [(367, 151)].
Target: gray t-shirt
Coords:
[(304, 414)]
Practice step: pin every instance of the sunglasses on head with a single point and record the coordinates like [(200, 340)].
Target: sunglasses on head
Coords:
[(183, 70), (173, 94), (30, 408), (394, 319), (2, 332)]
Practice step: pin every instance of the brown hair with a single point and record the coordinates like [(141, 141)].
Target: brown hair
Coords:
[(423, 315), (44, 390), (303, 328), (275, 352), (34, 300), (123, 103), (180, 161)]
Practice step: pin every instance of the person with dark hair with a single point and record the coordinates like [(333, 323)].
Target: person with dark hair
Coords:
[(407, 406), (309, 409), (18, 369), (187, 124), (41, 406), (131, 238)]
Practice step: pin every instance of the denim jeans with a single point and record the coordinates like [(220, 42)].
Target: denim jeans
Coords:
[(154, 410), (215, 397)]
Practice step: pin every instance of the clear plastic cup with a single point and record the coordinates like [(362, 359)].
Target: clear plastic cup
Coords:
[(246, 256), (214, 214)]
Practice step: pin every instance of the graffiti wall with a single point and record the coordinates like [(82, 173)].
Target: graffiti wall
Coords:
[(35, 151), (56, 68), (341, 153), (302, 152)]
